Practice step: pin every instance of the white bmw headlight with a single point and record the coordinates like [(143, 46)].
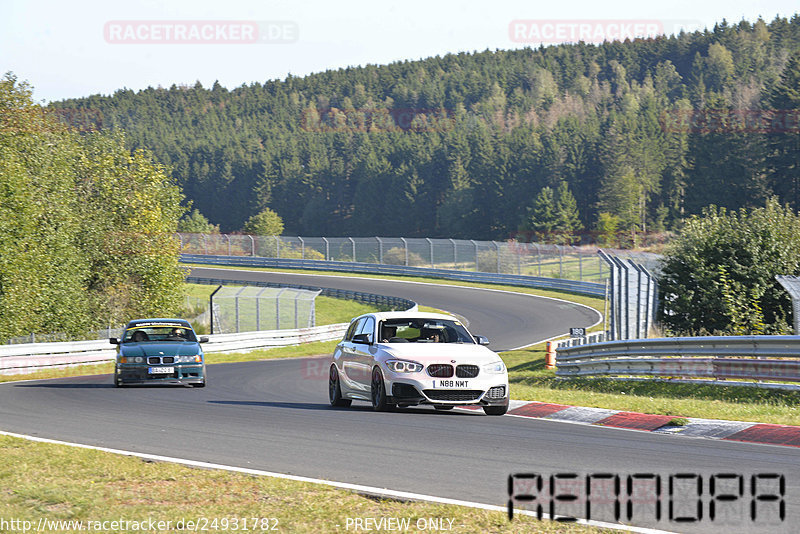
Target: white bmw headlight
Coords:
[(495, 368), (402, 366)]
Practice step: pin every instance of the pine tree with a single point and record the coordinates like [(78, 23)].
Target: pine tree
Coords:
[(542, 217), (566, 214), (783, 141)]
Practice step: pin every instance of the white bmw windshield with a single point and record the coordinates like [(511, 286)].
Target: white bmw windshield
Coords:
[(421, 330)]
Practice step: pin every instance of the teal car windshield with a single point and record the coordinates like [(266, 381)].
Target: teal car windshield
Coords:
[(142, 333)]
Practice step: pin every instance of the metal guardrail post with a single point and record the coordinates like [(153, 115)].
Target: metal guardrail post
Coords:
[(638, 299), (327, 249), (278, 309), (211, 308), (605, 308), (236, 307), (380, 250), (258, 309), (430, 246), (353, 242), (627, 298), (405, 246), (477, 265), (610, 292), (649, 306), (252, 245), (455, 254), (302, 248), (497, 252), (618, 298)]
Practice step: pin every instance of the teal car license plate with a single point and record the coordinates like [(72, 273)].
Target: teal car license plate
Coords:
[(161, 370)]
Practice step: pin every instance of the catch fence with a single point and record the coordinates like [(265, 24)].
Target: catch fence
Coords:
[(503, 257)]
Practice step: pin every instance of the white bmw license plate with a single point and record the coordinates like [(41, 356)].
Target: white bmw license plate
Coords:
[(451, 384), (161, 370)]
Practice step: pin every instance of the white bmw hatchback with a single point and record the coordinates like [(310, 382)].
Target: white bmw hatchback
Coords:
[(410, 358)]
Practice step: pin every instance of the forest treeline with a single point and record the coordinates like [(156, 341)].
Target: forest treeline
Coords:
[(631, 136)]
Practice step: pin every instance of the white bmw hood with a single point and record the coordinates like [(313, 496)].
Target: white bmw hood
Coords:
[(440, 352)]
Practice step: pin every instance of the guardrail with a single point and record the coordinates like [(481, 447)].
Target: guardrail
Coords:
[(246, 341), (28, 357), (23, 356), (558, 284), (775, 358), (594, 337)]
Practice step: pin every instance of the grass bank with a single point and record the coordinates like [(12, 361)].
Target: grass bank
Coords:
[(48, 482)]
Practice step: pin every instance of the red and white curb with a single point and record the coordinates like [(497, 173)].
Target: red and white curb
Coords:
[(763, 433)]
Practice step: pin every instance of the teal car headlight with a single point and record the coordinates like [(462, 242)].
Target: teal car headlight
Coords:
[(189, 359), (403, 366), (495, 368)]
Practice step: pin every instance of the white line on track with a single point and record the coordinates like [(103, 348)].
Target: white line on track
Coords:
[(341, 485)]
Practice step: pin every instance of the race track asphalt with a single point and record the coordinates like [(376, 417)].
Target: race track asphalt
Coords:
[(273, 415)]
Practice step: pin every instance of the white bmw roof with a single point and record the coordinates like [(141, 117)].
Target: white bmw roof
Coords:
[(382, 316)]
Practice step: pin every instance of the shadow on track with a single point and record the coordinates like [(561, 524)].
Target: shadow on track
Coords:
[(327, 407), (66, 386), (267, 404)]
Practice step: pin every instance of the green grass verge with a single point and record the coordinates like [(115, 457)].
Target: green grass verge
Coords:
[(77, 370), (58, 482)]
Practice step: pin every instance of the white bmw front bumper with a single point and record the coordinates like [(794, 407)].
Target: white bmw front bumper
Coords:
[(421, 388)]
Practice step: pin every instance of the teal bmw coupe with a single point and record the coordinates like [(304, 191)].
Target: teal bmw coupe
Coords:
[(165, 351)]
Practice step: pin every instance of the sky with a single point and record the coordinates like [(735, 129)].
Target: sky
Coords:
[(78, 48)]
